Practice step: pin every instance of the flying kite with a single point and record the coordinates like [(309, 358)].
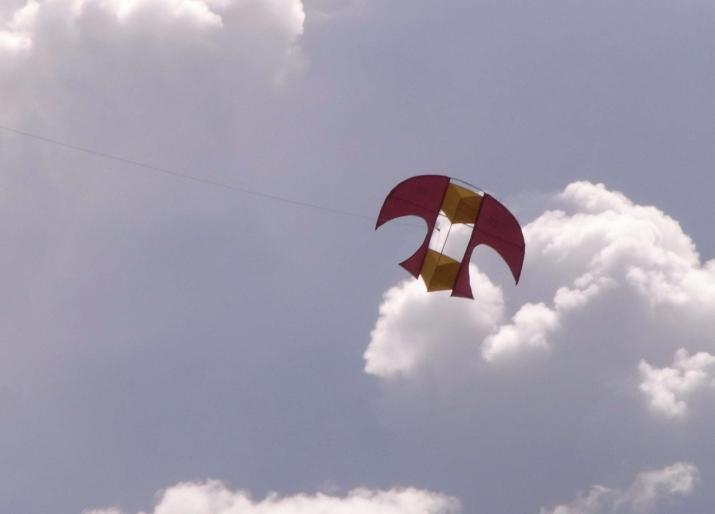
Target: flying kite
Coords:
[(436, 196)]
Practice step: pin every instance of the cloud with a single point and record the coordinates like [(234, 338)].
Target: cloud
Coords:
[(174, 83), (213, 497), (647, 490), (415, 330), (161, 22), (667, 389), (91, 66), (529, 328), (605, 242), (15, 36), (598, 245)]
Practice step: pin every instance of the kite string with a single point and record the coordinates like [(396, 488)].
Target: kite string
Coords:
[(185, 176)]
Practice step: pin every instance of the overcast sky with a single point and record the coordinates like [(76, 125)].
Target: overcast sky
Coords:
[(170, 347)]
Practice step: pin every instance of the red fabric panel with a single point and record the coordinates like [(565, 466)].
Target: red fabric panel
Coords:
[(417, 196), (498, 228)]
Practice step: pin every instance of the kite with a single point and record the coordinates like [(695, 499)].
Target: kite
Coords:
[(436, 196)]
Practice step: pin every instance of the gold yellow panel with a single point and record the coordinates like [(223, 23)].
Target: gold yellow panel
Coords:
[(460, 204), (439, 271)]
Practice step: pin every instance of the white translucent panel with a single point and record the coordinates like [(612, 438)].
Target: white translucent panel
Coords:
[(451, 240), (439, 234)]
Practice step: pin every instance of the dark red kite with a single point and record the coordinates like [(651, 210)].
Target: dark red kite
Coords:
[(431, 196)]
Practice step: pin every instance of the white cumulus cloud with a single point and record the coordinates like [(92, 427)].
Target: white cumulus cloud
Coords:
[(86, 64), (668, 389), (601, 241), (416, 329), (213, 497), (642, 496), (530, 327)]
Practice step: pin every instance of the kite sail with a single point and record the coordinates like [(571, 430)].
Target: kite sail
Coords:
[(436, 196)]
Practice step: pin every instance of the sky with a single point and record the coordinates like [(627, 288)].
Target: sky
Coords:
[(173, 347)]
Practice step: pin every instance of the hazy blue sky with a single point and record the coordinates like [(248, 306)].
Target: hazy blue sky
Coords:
[(159, 333)]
